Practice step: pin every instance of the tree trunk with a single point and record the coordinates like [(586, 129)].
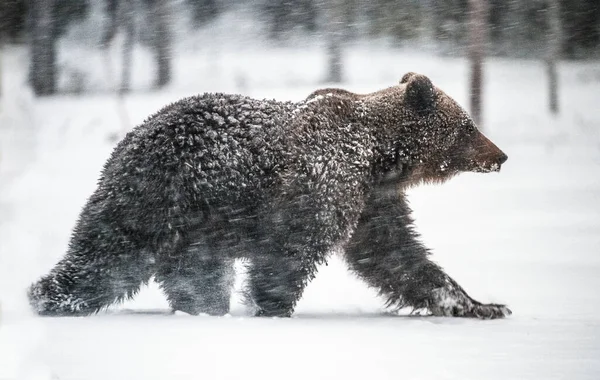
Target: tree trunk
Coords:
[(42, 67), (334, 18), (128, 24), (162, 41), (428, 24), (111, 8), (1, 46), (516, 24), (554, 45), (477, 39)]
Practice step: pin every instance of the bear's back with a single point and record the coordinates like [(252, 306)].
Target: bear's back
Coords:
[(213, 150)]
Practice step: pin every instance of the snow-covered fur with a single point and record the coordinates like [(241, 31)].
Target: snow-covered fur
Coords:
[(216, 177)]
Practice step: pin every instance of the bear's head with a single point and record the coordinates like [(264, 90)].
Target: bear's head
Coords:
[(432, 137)]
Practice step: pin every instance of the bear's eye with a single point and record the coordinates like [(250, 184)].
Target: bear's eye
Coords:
[(468, 125)]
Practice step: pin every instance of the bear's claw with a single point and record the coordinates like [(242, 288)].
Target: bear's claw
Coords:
[(475, 310), (490, 311), (452, 301)]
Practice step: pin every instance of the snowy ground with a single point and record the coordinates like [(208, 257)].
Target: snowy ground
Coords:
[(528, 237)]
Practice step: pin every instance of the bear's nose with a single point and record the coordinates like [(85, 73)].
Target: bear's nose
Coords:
[(502, 158)]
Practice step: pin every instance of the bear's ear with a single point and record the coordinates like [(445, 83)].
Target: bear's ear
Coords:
[(419, 91), (407, 76)]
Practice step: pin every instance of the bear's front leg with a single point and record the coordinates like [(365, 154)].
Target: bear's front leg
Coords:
[(386, 253)]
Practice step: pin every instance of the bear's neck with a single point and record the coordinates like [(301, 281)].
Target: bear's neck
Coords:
[(397, 150)]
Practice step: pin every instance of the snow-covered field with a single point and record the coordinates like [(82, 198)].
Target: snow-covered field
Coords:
[(528, 237)]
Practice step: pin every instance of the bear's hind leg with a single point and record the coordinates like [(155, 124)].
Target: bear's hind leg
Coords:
[(101, 267), (197, 281), (276, 283)]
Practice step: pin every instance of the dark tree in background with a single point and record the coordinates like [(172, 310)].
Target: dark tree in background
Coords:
[(12, 20), (42, 37), (333, 12), (517, 28), (111, 10), (428, 23), (515, 23), (127, 20), (1, 72), (46, 21), (68, 11), (451, 24), (581, 26), (279, 15), (160, 12), (477, 39), (554, 46), (283, 16), (120, 16), (398, 19), (513, 28), (204, 11)]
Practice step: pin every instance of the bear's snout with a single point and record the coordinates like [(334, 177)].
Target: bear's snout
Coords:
[(502, 159), (486, 156)]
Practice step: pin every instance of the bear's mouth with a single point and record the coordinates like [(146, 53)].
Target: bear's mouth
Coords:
[(486, 167)]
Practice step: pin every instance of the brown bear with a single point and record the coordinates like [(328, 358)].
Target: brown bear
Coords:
[(215, 177)]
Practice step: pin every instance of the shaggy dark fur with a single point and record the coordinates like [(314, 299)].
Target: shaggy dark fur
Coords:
[(217, 177), (386, 253)]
